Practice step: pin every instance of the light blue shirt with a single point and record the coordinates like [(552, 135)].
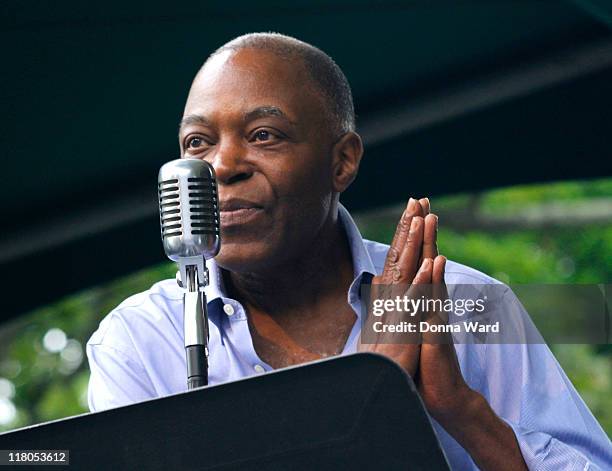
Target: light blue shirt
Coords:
[(137, 353)]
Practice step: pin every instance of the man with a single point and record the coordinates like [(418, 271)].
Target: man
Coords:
[(274, 116)]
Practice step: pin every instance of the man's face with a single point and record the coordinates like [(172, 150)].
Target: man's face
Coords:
[(256, 118)]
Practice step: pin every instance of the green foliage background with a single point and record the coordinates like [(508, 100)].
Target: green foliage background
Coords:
[(510, 233)]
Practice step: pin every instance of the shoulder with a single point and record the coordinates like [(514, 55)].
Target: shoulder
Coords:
[(155, 308), (161, 292), (456, 273)]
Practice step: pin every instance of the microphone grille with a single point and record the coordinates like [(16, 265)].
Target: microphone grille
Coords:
[(169, 208), (203, 205)]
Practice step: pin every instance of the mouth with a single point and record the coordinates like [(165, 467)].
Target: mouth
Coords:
[(236, 212)]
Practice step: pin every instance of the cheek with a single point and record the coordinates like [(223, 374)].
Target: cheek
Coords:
[(304, 176), (303, 203)]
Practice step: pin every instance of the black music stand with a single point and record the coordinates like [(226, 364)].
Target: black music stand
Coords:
[(356, 412)]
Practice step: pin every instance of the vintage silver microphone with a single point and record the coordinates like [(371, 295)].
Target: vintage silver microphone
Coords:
[(190, 232)]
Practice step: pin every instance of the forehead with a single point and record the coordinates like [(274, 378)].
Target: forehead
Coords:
[(237, 81)]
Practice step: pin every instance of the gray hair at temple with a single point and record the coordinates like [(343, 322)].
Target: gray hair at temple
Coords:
[(327, 77)]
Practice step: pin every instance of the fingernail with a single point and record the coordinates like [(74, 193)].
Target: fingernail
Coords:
[(410, 205)]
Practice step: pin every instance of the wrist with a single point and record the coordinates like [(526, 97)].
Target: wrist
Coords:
[(463, 414), (486, 437)]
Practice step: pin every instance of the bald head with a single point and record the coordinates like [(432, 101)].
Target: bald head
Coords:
[(326, 78), (257, 112)]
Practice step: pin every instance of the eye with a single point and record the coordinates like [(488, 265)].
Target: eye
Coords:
[(266, 136), (262, 135), (194, 142)]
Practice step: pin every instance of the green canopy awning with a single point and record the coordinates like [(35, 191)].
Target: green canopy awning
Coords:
[(450, 96)]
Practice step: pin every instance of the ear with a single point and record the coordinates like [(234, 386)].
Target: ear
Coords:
[(346, 156)]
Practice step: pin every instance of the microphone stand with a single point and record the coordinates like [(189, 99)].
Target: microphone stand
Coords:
[(195, 318)]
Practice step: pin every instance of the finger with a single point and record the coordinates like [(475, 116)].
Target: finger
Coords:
[(420, 209), (439, 286), (430, 234), (401, 232), (421, 286), (439, 293), (425, 205), (424, 274), (391, 269), (439, 267), (411, 254)]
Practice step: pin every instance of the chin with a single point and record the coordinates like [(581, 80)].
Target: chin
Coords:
[(245, 257)]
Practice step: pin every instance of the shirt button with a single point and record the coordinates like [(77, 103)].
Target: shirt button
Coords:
[(228, 309), (259, 369)]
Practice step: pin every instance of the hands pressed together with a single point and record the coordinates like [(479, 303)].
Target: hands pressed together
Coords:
[(414, 262)]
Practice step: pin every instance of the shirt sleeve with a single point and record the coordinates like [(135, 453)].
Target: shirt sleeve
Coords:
[(117, 376), (526, 386)]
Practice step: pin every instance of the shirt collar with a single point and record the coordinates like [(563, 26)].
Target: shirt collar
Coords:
[(362, 262), (363, 267)]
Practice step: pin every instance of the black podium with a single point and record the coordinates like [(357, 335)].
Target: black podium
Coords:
[(357, 412)]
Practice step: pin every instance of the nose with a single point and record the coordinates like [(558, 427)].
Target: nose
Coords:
[(230, 162)]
